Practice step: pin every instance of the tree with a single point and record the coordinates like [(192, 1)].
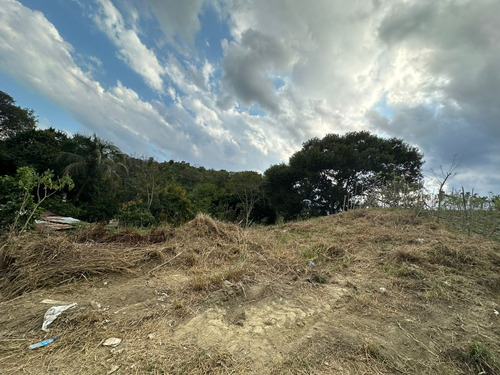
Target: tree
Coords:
[(247, 186), (14, 119), (336, 172), (145, 180), (35, 148), (135, 213), (173, 206), (205, 196), (18, 205), (93, 160), (441, 178), (279, 188)]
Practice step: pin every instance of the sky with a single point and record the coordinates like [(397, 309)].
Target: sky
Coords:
[(241, 85)]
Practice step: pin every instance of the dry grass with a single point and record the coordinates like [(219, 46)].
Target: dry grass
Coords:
[(297, 298), (42, 261)]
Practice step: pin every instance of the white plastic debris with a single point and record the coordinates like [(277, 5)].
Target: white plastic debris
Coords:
[(52, 313), (420, 240), (311, 264), (112, 342), (382, 290), (495, 311)]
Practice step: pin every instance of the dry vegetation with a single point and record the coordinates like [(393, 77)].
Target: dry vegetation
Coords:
[(298, 298)]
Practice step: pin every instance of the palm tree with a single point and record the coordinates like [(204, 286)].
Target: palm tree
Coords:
[(94, 159)]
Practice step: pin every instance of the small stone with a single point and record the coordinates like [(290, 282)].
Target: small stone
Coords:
[(95, 305), (151, 336), (113, 369), (112, 342), (420, 240)]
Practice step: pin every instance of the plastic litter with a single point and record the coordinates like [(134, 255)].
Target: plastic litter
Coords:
[(495, 311), (112, 342), (42, 343), (311, 264), (382, 290), (52, 313)]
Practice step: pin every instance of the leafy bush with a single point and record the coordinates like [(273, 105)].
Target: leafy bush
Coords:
[(135, 213), (17, 196)]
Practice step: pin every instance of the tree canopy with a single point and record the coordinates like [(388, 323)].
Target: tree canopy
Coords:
[(330, 172), (14, 119), (327, 175)]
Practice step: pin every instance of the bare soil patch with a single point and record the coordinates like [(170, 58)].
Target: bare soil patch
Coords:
[(365, 292)]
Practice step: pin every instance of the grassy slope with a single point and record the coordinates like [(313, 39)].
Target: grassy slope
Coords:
[(299, 298)]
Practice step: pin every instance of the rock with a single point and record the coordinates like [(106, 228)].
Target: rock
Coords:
[(112, 342)]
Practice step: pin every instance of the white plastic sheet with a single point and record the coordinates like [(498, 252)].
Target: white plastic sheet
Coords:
[(52, 313)]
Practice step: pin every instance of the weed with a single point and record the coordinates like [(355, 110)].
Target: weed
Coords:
[(403, 271), (480, 357), (318, 278), (347, 259), (316, 252), (373, 351)]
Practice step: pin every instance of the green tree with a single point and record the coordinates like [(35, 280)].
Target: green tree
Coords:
[(173, 206), (145, 180), (247, 186), (35, 148), (93, 160), (22, 195), (279, 188), (336, 172), (205, 197), (135, 213), (14, 119)]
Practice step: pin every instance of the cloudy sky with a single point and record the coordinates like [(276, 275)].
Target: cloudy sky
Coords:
[(240, 85)]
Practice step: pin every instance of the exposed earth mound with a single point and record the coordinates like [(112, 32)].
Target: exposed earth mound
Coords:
[(364, 292)]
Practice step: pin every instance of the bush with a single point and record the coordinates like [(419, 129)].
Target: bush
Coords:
[(135, 213)]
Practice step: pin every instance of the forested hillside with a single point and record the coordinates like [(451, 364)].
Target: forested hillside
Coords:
[(91, 179)]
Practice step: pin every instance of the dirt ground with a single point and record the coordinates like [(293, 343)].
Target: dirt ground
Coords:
[(365, 292)]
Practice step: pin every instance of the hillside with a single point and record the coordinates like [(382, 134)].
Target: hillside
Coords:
[(364, 292)]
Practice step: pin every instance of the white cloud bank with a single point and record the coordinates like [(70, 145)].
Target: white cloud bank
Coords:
[(426, 71)]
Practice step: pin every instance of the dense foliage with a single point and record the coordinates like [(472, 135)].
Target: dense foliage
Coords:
[(326, 176), (337, 172)]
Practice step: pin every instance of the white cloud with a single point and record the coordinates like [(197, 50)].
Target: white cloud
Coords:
[(306, 68), (433, 64), (130, 48), (178, 19)]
